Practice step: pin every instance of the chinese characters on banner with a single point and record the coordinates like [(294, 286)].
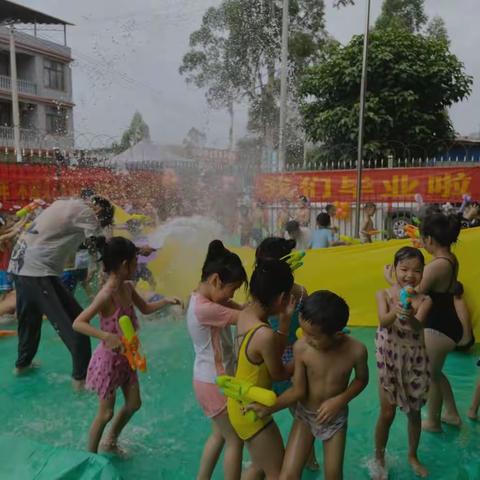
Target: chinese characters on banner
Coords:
[(436, 185)]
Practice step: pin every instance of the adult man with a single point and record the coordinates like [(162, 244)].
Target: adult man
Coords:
[(37, 262)]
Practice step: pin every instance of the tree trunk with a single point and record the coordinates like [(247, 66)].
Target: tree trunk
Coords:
[(231, 136)]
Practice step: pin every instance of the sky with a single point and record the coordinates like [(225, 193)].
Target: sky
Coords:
[(127, 56)]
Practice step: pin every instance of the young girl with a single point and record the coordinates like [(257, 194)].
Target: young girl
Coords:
[(278, 248), (109, 368), (259, 359), (210, 314), (401, 356)]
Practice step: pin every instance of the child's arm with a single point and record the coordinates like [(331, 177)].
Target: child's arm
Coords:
[(82, 323), (268, 348), (385, 316), (148, 308), (330, 408), (284, 320), (418, 319), (296, 392)]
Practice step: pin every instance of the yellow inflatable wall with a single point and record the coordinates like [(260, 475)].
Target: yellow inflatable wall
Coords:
[(354, 272)]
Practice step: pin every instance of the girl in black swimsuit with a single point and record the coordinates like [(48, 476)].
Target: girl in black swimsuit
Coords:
[(443, 329)]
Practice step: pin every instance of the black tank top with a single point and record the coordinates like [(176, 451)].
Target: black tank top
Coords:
[(443, 316)]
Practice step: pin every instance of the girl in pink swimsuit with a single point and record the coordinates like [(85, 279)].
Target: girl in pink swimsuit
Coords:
[(109, 368)]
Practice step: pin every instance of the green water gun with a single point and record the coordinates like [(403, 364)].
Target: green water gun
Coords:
[(294, 259), (245, 393), (406, 295)]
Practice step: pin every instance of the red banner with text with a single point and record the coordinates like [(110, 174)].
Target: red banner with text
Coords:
[(435, 185)]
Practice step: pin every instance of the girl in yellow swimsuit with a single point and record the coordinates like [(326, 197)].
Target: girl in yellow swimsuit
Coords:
[(259, 359)]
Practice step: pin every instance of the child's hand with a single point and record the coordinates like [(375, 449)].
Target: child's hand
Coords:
[(329, 409), (388, 274), (286, 316), (405, 313), (112, 341), (174, 301), (260, 410)]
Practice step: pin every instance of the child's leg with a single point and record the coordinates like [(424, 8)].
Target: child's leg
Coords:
[(131, 392), (232, 458), (473, 410), (384, 422), (333, 453), (266, 451), (104, 415), (451, 415), (414, 430), (299, 446), (438, 346), (211, 453)]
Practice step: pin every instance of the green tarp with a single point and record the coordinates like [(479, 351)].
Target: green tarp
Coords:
[(24, 459)]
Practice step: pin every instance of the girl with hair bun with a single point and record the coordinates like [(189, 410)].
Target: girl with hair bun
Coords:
[(259, 360), (211, 313), (109, 369)]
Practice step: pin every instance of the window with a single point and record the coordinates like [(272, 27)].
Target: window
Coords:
[(57, 121), (54, 75)]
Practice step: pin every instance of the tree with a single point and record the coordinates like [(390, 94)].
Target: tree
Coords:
[(437, 29), (412, 80), (409, 14), (236, 51), (137, 131), (194, 138)]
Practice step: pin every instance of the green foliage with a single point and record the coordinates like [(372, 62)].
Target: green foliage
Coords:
[(409, 14), (412, 80), (436, 29), (236, 53), (137, 131), (194, 138)]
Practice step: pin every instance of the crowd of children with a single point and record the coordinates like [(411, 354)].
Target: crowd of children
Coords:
[(284, 339)]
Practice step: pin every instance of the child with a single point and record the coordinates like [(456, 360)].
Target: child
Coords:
[(109, 368), (322, 236), (331, 210), (473, 410), (259, 359), (402, 360), (278, 248), (210, 314), (301, 235), (324, 360), (367, 225)]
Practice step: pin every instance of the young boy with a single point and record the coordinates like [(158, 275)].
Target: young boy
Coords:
[(367, 225), (324, 360), (323, 236)]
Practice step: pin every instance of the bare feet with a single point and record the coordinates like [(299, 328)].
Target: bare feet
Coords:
[(472, 414), (453, 420), (19, 371), (78, 385), (113, 448), (418, 468), (429, 426), (378, 470)]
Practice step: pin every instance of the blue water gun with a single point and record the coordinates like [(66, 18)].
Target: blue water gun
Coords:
[(406, 295)]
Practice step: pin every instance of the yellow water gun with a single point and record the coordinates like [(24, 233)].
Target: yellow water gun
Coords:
[(139, 217), (294, 259), (350, 240), (131, 345), (245, 393), (32, 206)]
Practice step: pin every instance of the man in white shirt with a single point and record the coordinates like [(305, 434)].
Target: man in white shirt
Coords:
[(37, 262)]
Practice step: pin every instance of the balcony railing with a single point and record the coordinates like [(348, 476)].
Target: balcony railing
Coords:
[(24, 86), (33, 139)]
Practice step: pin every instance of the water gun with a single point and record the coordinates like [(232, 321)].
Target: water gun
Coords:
[(131, 344), (294, 259), (413, 233), (350, 240), (299, 332), (245, 393), (139, 217), (32, 206), (406, 295)]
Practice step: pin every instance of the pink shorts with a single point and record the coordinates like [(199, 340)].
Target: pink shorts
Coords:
[(212, 401)]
